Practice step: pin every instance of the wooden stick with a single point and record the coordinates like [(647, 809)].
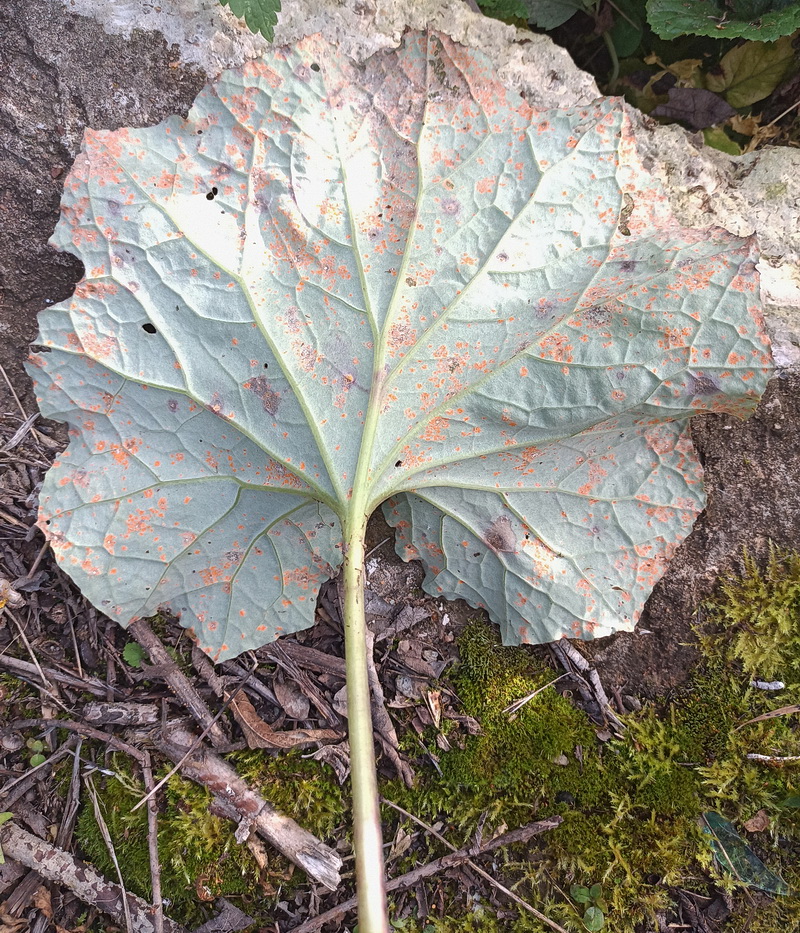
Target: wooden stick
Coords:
[(55, 864), (204, 767), (432, 868), (177, 681)]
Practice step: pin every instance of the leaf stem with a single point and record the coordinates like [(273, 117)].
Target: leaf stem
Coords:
[(367, 837)]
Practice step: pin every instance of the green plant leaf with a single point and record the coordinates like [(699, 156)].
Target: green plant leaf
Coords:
[(790, 802), (717, 138), (37, 760), (672, 18), (548, 14), (334, 286), (260, 15), (737, 858), (594, 919), (4, 818), (133, 653), (751, 71), (579, 894), (595, 891), (628, 28)]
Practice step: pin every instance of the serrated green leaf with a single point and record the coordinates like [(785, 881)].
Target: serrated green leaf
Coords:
[(751, 71), (737, 858), (133, 654), (395, 271), (548, 14), (505, 10), (672, 18), (594, 919), (260, 15)]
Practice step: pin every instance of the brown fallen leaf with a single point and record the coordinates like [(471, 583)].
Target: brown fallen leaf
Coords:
[(772, 714), (757, 823), (295, 703), (260, 734)]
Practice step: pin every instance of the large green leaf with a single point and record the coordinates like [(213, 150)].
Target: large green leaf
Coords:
[(751, 71), (401, 272), (765, 20)]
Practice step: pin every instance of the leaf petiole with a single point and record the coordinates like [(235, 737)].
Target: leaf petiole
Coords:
[(367, 837)]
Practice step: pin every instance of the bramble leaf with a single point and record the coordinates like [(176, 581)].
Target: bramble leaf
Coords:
[(395, 271), (260, 15), (765, 20)]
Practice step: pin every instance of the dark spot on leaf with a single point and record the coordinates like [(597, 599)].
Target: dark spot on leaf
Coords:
[(266, 365), (314, 66), (399, 463), (702, 384), (270, 399), (212, 194), (149, 328), (500, 536), (172, 405), (628, 265), (215, 403), (502, 257), (477, 554), (598, 314), (451, 206)]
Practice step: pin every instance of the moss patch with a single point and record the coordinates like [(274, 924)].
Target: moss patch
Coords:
[(631, 806)]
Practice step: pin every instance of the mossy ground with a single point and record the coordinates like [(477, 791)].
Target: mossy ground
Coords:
[(631, 806)]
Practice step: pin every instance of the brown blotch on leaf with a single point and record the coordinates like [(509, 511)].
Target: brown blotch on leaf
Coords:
[(500, 537), (269, 398)]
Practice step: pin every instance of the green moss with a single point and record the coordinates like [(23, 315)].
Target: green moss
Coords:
[(200, 859), (631, 806)]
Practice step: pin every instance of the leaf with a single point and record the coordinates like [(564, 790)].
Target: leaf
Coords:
[(628, 28), (548, 14), (260, 15), (594, 919), (672, 18), (717, 138), (595, 891), (737, 858), (694, 105), (133, 654), (334, 286), (579, 894), (751, 72), (506, 10)]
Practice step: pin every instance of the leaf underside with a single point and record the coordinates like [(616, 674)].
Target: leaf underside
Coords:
[(396, 268)]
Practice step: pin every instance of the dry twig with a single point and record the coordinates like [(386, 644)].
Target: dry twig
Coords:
[(59, 866), (456, 857), (251, 810), (177, 681)]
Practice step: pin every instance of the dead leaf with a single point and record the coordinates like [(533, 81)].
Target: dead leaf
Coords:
[(337, 756), (295, 703), (434, 701), (757, 823), (772, 714), (260, 734), (695, 106)]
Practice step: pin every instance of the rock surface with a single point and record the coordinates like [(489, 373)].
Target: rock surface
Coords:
[(67, 64)]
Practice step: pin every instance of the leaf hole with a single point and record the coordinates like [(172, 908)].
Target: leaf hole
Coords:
[(477, 554), (314, 66), (266, 365), (399, 463), (212, 194), (149, 328)]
